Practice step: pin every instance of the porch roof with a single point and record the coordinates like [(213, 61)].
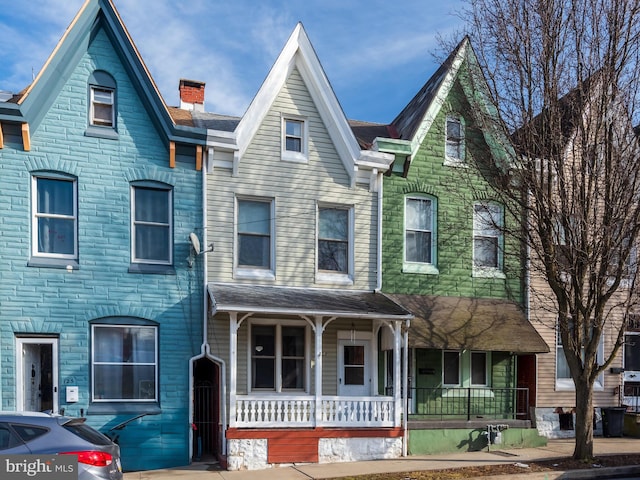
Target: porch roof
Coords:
[(306, 301), (458, 323)]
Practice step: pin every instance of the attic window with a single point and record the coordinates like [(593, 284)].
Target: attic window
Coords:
[(454, 148), (102, 107), (294, 139), (102, 103)]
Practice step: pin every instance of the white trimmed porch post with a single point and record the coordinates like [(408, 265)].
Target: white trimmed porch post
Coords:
[(397, 372), (318, 330), (233, 366)]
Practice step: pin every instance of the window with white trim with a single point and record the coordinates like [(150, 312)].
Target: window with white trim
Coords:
[(334, 239), (278, 357), (124, 363), (564, 381), (454, 144), (151, 223), (479, 368), (254, 226), (487, 238), (102, 107), (420, 233), (54, 216), (102, 103), (294, 139), (451, 368)]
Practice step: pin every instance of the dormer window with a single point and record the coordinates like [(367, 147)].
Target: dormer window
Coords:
[(294, 139), (102, 101)]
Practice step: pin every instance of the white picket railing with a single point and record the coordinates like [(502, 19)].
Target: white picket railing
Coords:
[(300, 411)]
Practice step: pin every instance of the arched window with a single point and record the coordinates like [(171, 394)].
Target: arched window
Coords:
[(102, 104)]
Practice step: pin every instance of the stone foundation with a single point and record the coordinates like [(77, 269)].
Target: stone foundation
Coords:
[(559, 422), (333, 450)]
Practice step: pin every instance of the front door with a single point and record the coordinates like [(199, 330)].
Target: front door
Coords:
[(354, 377), (37, 374)]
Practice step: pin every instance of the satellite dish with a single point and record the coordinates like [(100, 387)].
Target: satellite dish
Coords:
[(195, 243)]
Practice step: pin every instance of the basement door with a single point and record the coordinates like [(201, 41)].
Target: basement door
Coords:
[(37, 374), (354, 364)]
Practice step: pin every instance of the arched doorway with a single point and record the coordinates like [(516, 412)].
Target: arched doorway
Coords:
[(206, 410)]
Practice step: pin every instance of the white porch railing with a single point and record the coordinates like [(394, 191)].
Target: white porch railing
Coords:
[(300, 411)]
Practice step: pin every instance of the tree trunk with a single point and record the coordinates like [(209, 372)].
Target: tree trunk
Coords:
[(584, 422)]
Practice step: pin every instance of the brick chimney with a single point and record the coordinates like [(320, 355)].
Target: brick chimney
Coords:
[(192, 95)]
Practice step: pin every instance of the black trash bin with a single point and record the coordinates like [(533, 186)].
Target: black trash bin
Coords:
[(613, 421)]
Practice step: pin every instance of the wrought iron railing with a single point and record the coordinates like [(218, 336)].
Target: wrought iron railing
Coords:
[(455, 403)]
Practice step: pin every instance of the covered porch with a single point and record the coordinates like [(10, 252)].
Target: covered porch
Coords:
[(472, 368), (305, 362)]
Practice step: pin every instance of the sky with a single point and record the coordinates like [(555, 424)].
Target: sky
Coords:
[(376, 53)]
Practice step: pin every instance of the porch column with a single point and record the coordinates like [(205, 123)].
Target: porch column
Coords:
[(318, 372), (233, 366), (397, 372)]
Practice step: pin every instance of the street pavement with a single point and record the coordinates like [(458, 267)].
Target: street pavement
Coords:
[(554, 449)]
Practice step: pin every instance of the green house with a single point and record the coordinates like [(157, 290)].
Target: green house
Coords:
[(447, 258)]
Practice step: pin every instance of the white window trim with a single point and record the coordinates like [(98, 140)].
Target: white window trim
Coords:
[(420, 267), (459, 384), (35, 215), (94, 363), (92, 117), (134, 258), (278, 351), (567, 384), (244, 272), (487, 370), (489, 272), (337, 278), (287, 155), (454, 161)]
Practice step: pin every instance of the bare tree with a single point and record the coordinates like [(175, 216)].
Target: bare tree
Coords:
[(564, 77)]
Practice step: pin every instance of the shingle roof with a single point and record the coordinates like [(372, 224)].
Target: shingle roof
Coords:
[(458, 323), (285, 300)]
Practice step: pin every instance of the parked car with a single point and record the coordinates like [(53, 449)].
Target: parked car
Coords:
[(43, 433)]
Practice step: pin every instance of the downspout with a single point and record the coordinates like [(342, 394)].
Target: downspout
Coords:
[(379, 253), (205, 349), (405, 387)]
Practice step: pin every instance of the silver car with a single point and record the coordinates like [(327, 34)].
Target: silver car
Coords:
[(42, 433)]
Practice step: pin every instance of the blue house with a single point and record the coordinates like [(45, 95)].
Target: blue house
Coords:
[(101, 292)]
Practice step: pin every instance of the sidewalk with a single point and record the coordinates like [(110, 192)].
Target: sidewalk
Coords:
[(554, 449)]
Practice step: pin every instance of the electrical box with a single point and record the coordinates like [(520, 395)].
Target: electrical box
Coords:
[(72, 394)]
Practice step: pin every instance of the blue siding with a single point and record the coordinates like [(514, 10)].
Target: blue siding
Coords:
[(36, 300)]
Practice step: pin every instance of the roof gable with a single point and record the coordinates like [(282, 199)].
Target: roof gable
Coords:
[(298, 53), (93, 16)]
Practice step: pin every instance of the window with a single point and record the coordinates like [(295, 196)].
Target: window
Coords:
[(420, 238), (124, 363), (278, 357), (254, 227), (487, 237), (632, 352), (479, 368), (152, 230), (55, 216), (294, 139), (454, 148), (333, 239), (563, 375), (102, 105), (451, 368)]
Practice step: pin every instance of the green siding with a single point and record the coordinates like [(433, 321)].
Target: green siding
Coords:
[(456, 189)]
